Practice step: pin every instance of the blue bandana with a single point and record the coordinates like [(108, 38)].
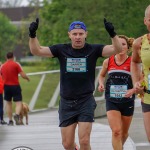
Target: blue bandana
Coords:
[(77, 25)]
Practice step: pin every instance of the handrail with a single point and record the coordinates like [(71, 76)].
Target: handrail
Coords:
[(54, 98)]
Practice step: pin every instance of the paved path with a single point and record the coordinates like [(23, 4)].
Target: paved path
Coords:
[(43, 133), (136, 131)]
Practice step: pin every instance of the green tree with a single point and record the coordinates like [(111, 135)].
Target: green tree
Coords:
[(8, 37), (126, 15), (55, 17), (23, 35)]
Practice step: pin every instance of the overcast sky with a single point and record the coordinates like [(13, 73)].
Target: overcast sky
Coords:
[(24, 3)]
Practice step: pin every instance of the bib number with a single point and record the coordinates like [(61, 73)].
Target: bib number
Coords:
[(118, 91), (76, 65)]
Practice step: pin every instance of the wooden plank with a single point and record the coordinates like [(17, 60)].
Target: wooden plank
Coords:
[(43, 133)]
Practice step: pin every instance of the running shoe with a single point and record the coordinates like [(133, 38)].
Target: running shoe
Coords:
[(10, 123), (16, 118), (3, 122), (77, 147)]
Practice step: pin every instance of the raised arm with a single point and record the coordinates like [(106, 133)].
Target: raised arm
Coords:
[(136, 64), (102, 75), (136, 61), (116, 46), (34, 45)]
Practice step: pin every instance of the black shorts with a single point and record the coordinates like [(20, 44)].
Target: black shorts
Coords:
[(80, 110), (12, 91), (1, 105), (126, 109), (145, 107)]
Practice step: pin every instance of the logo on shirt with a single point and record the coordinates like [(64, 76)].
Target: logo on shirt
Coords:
[(131, 107), (146, 48), (125, 68)]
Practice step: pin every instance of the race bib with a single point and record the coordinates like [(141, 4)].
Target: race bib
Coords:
[(76, 65), (118, 91)]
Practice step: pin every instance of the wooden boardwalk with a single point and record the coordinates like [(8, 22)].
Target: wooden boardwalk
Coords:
[(43, 133)]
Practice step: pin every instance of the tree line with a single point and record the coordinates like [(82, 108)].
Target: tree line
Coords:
[(56, 15)]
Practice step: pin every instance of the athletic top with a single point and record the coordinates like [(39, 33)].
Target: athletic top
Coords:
[(145, 54), (9, 71), (119, 81), (1, 85), (77, 69)]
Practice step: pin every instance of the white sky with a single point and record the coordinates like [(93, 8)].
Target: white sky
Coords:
[(24, 3), (18, 2)]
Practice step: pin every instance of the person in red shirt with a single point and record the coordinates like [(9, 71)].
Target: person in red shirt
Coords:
[(1, 102), (12, 89)]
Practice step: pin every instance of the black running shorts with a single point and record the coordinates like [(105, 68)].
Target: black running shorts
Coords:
[(79, 110), (145, 107), (12, 92), (126, 109)]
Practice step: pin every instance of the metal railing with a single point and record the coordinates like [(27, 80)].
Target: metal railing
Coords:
[(54, 98)]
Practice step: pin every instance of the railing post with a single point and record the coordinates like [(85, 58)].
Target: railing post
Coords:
[(55, 96), (36, 93)]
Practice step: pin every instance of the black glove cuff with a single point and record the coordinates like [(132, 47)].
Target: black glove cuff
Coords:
[(112, 34), (32, 35)]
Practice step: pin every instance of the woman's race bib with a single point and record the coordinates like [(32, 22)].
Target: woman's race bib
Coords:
[(118, 91)]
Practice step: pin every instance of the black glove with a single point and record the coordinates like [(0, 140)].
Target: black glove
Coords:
[(110, 28), (33, 27)]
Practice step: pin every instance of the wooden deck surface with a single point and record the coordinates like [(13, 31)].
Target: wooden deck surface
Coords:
[(43, 133)]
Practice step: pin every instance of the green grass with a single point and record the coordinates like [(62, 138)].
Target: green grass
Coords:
[(30, 69), (50, 83), (28, 88), (47, 90)]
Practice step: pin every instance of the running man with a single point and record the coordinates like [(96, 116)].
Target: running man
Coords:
[(77, 74)]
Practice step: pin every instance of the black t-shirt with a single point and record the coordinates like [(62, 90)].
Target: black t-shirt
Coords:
[(77, 69)]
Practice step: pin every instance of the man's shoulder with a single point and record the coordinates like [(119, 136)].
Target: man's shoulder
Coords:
[(95, 46), (137, 42), (12, 63), (15, 63), (139, 39), (63, 45)]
